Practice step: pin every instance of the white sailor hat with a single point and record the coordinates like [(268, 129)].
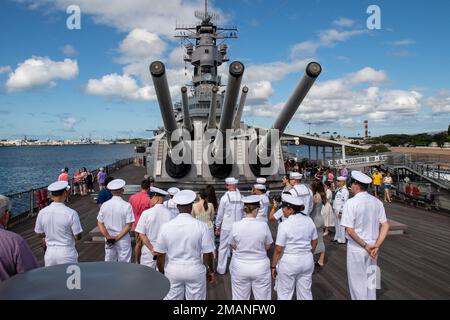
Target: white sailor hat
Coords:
[(101, 169), (295, 176), (361, 177), (184, 197), (58, 186), (63, 170), (289, 199), (231, 180), (341, 178), (173, 191), (261, 180), (259, 187), (158, 191), (116, 184), (251, 199)]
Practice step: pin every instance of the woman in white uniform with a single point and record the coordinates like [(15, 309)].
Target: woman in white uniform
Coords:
[(293, 262), (327, 209), (250, 266)]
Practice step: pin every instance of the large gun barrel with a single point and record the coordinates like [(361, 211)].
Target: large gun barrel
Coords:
[(212, 110), (158, 72), (312, 71), (240, 109), (234, 83), (186, 118)]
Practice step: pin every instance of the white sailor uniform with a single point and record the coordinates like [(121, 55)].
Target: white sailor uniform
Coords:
[(304, 193), (150, 224), (339, 201), (169, 204), (263, 211), (296, 266), (183, 240), (250, 266), (115, 214), (60, 224), (229, 212), (364, 213)]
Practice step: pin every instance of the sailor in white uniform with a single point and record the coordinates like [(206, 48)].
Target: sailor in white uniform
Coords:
[(60, 226), (302, 191), (115, 220), (150, 224), (186, 242), (263, 182), (250, 266), (366, 227), (260, 190), (292, 261), (340, 198), (229, 212), (170, 204)]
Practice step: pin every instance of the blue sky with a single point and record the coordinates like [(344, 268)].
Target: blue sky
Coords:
[(60, 83)]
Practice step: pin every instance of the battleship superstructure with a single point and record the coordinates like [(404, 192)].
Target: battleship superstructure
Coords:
[(204, 139)]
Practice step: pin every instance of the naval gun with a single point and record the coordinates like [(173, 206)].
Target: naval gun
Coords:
[(204, 139)]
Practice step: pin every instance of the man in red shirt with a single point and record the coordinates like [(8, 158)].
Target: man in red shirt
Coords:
[(140, 202)]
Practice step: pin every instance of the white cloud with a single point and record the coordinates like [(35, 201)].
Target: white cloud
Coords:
[(121, 86), (343, 101), (344, 22), (5, 69), (368, 75), (140, 44), (70, 122), (440, 103), (69, 50), (40, 72), (405, 42), (326, 38), (153, 15)]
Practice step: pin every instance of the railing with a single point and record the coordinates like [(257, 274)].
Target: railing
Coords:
[(365, 160), (26, 204)]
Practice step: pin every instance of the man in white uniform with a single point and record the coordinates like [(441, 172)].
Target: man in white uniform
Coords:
[(366, 226), (186, 242), (260, 190), (60, 226), (302, 191), (250, 266), (170, 204), (229, 212), (150, 224), (340, 198), (115, 221), (292, 261)]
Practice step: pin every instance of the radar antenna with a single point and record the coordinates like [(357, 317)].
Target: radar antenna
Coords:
[(206, 16)]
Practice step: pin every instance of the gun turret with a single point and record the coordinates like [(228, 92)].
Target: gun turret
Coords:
[(222, 169), (231, 96), (240, 109), (212, 110), (158, 72), (186, 119), (312, 71)]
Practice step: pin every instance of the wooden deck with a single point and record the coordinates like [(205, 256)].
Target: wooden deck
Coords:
[(415, 265)]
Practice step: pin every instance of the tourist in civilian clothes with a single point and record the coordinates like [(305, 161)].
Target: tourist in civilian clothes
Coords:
[(319, 199), (327, 209), (387, 184), (211, 196), (76, 182), (104, 194), (15, 254), (101, 176), (64, 176), (90, 182), (140, 202), (83, 181)]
